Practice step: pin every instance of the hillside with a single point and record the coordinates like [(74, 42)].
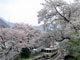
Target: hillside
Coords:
[(4, 23)]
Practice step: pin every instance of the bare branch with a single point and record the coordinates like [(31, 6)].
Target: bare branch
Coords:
[(61, 15), (66, 19)]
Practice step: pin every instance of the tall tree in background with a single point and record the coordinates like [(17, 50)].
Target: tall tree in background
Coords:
[(63, 19), (59, 13)]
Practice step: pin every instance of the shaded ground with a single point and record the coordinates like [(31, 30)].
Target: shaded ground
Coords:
[(25, 59)]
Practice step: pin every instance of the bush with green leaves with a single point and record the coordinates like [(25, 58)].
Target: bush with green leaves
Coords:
[(74, 47), (25, 53)]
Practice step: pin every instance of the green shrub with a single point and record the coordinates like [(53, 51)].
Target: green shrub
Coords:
[(25, 53), (78, 57)]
